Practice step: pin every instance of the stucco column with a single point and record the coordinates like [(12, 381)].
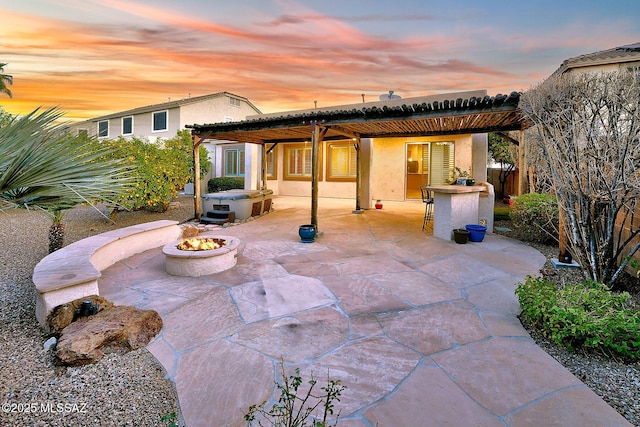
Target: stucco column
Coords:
[(480, 155), (252, 166)]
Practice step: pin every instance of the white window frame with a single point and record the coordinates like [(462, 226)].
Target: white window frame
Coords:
[(234, 102), (153, 117), (122, 125)]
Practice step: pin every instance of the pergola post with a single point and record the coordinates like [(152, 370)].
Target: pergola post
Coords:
[(317, 135), (264, 167), (197, 203), (522, 165), (358, 173)]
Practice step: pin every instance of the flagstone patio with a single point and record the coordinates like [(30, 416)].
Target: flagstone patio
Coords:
[(422, 331)]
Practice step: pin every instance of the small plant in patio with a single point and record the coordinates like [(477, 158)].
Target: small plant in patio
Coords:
[(586, 315), (296, 408), (170, 419)]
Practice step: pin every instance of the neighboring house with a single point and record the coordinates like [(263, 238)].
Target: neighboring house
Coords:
[(163, 121), (605, 60)]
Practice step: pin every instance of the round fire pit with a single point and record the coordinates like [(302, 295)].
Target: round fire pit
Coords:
[(197, 259)]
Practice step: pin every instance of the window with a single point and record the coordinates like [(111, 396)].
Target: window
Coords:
[(297, 161), (103, 129), (233, 162), (127, 125), (234, 101), (159, 121), (442, 163), (342, 162), (272, 171)]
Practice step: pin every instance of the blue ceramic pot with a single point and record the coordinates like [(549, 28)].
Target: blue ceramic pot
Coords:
[(307, 233), (476, 232)]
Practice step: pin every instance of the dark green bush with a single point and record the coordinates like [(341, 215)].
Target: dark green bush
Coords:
[(224, 183), (535, 217), (586, 315)]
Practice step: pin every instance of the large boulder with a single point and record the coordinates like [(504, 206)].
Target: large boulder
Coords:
[(64, 314), (118, 329)]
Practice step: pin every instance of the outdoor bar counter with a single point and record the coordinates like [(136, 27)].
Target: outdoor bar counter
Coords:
[(454, 206)]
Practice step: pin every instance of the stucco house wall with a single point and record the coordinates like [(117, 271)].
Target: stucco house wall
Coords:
[(385, 165)]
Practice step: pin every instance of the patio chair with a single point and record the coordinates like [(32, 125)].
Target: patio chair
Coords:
[(427, 199)]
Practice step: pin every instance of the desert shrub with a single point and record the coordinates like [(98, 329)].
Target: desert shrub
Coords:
[(535, 217), (225, 183), (586, 315)]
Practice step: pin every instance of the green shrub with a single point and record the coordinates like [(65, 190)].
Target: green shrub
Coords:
[(225, 183), (586, 315), (160, 173), (501, 213), (535, 217)]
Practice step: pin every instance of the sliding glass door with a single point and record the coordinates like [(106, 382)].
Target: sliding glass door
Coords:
[(428, 163)]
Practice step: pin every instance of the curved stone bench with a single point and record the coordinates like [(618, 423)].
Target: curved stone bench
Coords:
[(73, 271)]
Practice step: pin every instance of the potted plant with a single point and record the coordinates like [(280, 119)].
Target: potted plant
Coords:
[(459, 177)]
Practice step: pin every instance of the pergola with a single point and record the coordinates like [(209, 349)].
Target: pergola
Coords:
[(431, 117)]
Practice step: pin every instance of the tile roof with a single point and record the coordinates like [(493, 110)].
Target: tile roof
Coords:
[(616, 55)]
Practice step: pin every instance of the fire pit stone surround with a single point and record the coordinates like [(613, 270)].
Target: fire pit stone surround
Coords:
[(195, 263)]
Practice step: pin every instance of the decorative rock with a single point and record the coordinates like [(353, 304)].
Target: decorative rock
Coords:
[(62, 316), (119, 329), (50, 344)]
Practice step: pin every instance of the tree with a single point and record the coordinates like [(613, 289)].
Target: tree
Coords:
[(503, 150), (42, 167), (5, 117), (589, 128), (5, 80), (181, 146)]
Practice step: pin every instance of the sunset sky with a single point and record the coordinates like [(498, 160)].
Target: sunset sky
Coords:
[(94, 57)]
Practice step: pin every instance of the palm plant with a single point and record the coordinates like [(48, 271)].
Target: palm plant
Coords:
[(56, 231), (5, 80), (42, 167)]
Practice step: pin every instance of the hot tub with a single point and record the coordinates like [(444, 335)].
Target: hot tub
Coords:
[(245, 203)]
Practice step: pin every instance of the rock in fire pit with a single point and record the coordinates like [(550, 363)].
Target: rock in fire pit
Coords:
[(200, 256)]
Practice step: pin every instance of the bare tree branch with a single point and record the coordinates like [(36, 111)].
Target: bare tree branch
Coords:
[(588, 130)]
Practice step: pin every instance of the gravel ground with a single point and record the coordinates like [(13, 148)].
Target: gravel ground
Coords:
[(617, 382), (131, 389), (119, 390)]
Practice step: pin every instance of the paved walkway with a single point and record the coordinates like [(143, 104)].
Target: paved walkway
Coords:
[(422, 331)]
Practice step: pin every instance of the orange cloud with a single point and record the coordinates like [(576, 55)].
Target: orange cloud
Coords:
[(280, 63)]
